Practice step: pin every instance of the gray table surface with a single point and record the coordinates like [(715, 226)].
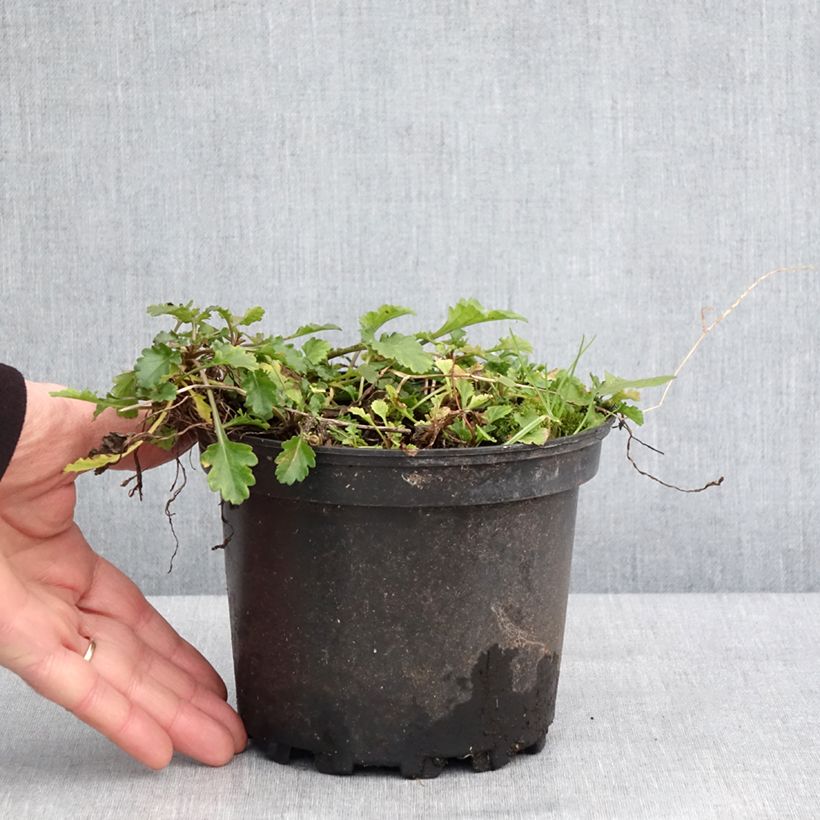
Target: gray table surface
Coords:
[(669, 706)]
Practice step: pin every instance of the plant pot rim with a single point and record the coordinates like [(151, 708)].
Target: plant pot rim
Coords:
[(450, 456)]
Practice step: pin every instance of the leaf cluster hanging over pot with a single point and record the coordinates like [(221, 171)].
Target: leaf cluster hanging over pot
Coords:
[(212, 376)]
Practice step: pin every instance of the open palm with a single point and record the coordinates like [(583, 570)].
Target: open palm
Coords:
[(145, 688)]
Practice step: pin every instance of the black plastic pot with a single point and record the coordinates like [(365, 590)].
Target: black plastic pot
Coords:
[(397, 610)]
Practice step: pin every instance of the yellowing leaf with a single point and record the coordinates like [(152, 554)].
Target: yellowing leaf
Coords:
[(203, 409), (82, 465), (448, 367)]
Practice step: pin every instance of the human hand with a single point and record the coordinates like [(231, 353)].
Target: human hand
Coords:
[(146, 689)]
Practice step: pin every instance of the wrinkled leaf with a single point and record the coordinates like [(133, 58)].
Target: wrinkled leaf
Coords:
[(230, 474), (470, 312), (373, 320), (184, 313), (244, 420), (406, 350), (381, 409), (530, 430), (294, 462), (513, 343), (261, 394), (613, 384), (156, 364), (250, 317), (162, 392), (306, 330), (316, 350), (496, 412), (234, 356)]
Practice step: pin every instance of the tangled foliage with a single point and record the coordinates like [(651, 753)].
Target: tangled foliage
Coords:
[(211, 376)]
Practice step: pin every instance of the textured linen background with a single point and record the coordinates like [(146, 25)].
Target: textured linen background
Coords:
[(605, 168)]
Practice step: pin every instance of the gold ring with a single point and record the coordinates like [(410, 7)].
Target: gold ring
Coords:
[(89, 653)]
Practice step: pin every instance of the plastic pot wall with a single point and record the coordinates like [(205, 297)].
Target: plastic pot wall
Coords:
[(396, 610)]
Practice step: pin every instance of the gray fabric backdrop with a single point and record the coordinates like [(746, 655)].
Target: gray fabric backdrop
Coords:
[(605, 168)]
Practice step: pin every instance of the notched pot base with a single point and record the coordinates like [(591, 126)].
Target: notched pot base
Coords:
[(486, 731)]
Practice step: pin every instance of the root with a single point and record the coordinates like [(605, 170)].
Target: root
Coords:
[(228, 538), (175, 491), (136, 478), (622, 425)]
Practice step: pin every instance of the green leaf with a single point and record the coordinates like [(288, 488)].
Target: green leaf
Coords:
[(276, 349), (80, 395), (168, 438), (230, 474), (631, 412), (530, 430), (479, 400), (381, 409), (496, 412), (244, 420), (261, 395), (306, 330), (406, 350), (184, 313), (372, 321), (162, 392), (295, 460), (613, 384), (368, 371), (316, 350), (250, 317), (362, 414), (512, 343), (470, 312), (483, 435), (461, 430), (156, 364), (234, 356), (125, 385)]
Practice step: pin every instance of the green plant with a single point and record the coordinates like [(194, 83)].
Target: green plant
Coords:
[(211, 376)]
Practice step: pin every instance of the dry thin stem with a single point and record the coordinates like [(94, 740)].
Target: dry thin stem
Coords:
[(707, 329)]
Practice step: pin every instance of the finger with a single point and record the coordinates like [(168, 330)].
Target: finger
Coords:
[(192, 731), (115, 595), (64, 677), (167, 674)]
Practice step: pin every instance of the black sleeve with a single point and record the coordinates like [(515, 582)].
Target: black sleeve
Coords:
[(12, 412)]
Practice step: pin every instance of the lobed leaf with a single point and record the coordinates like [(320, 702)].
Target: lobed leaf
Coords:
[(261, 394), (294, 462), (234, 356), (370, 322), (229, 472), (470, 312), (156, 364), (612, 384), (182, 312), (306, 330), (316, 350), (406, 350)]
